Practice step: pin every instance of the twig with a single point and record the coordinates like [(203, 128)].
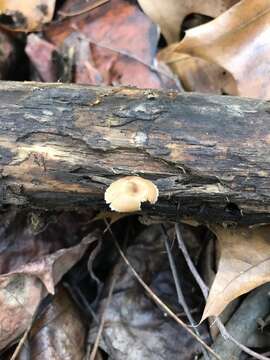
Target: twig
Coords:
[(190, 264), (101, 330), (180, 295), (159, 302), (80, 301), (243, 322), (90, 261), (205, 291), (21, 342), (102, 320), (25, 334)]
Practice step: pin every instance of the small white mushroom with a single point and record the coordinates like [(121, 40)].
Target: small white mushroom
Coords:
[(127, 193)]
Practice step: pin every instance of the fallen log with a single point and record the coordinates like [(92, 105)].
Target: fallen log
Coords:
[(61, 145)]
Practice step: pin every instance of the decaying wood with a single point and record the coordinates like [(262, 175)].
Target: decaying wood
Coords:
[(61, 145)]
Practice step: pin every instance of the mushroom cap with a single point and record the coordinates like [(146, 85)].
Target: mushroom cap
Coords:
[(127, 193)]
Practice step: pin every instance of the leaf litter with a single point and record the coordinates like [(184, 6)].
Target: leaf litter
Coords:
[(117, 42)]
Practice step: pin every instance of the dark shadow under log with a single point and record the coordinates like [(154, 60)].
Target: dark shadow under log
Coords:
[(61, 145)]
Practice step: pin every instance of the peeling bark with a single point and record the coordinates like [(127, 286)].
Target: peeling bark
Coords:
[(61, 145)]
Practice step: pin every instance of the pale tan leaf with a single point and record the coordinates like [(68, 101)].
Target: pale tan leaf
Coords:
[(238, 40), (197, 74), (21, 15), (244, 265), (170, 14)]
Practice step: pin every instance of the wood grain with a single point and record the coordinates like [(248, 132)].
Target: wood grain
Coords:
[(62, 144)]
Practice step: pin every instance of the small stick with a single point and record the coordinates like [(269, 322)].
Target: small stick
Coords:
[(180, 295), (91, 312), (21, 342), (25, 334), (190, 264), (102, 320)]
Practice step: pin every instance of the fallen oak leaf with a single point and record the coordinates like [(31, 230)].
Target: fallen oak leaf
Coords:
[(169, 15), (238, 41), (244, 265), (17, 15)]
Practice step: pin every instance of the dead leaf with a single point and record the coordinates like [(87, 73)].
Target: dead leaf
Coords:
[(238, 41), (18, 15), (21, 291), (24, 235), (244, 265), (169, 15), (75, 8), (134, 326), (40, 52), (34, 255), (58, 333), (20, 296), (197, 74), (7, 54), (50, 268), (114, 44)]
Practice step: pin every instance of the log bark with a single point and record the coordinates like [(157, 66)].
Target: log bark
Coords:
[(61, 145)]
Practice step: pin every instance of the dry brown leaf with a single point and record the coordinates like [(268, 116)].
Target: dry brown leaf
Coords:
[(21, 291), (169, 15), (7, 54), (35, 252), (244, 265), (59, 333), (133, 324), (114, 44), (20, 15), (75, 8), (50, 268), (40, 52), (197, 74), (238, 40)]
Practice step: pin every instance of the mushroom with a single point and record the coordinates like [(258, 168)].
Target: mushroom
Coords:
[(127, 193)]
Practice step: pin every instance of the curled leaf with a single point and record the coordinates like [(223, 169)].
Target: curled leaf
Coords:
[(238, 41), (244, 265), (169, 15), (197, 74)]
